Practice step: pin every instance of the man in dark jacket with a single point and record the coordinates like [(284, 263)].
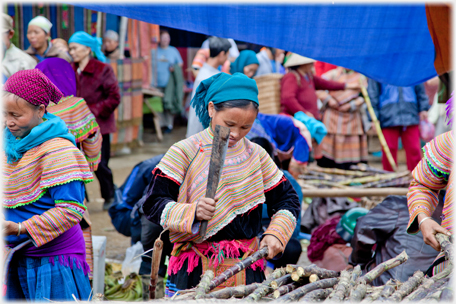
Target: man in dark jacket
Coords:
[(382, 231), (400, 110)]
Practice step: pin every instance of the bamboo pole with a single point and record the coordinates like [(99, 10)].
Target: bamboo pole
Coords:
[(377, 126), (358, 192)]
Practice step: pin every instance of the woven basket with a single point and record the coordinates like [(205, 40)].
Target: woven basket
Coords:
[(269, 93)]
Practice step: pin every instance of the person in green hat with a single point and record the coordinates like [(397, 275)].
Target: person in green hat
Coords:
[(249, 178), (247, 63)]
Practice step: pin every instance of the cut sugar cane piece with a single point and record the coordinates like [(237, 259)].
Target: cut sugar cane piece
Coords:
[(230, 292), (313, 278), (203, 286), (284, 290), (445, 245), (358, 293), (407, 287), (238, 267), (286, 279), (265, 287), (317, 295), (341, 288), (302, 291), (381, 268)]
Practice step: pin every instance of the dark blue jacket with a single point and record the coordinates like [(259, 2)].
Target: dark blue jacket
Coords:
[(397, 106)]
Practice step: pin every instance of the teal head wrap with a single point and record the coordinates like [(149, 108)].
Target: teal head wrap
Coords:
[(220, 88), (93, 43), (245, 58)]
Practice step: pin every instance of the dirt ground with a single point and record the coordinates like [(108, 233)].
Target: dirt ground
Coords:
[(121, 167)]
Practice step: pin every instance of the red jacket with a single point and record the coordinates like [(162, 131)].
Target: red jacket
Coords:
[(296, 97), (97, 84)]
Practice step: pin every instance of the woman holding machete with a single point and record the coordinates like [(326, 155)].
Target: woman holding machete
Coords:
[(175, 198)]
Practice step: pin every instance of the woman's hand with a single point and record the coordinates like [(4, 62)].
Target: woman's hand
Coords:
[(429, 228), (352, 86), (205, 209), (332, 103), (11, 228), (274, 246)]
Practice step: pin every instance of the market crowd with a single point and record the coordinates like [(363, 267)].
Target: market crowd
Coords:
[(59, 99)]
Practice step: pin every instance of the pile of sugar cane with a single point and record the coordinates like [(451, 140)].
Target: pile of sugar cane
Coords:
[(360, 176), (314, 284)]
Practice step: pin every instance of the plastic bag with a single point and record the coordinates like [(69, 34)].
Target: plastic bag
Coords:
[(132, 261), (427, 130)]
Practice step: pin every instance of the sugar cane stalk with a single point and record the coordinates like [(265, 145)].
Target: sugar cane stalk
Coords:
[(203, 286), (378, 128), (238, 267), (230, 292), (381, 268), (368, 179), (286, 279), (372, 296), (356, 273), (341, 289), (285, 289), (337, 171), (301, 291), (358, 293), (317, 295), (425, 291), (388, 290), (407, 287), (265, 287), (445, 245)]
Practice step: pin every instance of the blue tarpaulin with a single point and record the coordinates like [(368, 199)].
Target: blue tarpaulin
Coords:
[(387, 42)]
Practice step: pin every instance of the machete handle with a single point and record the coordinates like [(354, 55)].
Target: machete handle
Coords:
[(203, 229)]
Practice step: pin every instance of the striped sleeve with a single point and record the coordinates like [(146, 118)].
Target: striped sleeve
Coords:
[(68, 211), (429, 177), (282, 226), (91, 147), (179, 217)]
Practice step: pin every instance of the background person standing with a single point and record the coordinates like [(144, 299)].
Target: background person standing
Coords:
[(167, 57), (97, 84)]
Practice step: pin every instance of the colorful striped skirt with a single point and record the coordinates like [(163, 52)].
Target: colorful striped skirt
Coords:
[(345, 148)]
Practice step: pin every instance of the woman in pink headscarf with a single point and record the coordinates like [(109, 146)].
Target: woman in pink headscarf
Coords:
[(43, 198)]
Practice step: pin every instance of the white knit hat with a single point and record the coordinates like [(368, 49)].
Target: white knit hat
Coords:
[(41, 22)]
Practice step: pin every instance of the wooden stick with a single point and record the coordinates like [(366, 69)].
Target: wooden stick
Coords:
[(302, 291), (407, 287), (265, 287), (230, 292), (156, 257), (378, 128), (238, 267), (381, 268), (354, 192)]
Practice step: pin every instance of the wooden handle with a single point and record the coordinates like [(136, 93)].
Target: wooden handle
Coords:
[(156, 257)]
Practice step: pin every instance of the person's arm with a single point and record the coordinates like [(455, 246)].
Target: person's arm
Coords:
[(374, 90), (323, 84), (422, 101), (104, 108), (288, 94), (429, 177), (91, 147), (282, 204), (68, 211), (180, 62)]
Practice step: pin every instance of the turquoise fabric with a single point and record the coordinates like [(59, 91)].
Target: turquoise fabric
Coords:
[(220, 88), (52, 127), (93, 43), (245, 58), (316, 128)]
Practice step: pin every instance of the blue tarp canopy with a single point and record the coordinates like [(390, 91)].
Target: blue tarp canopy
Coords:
[(387, 42)]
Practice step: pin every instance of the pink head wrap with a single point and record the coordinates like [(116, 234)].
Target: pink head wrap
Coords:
[(33, 86)]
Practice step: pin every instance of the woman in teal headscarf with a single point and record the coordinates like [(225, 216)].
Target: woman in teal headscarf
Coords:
[(249, 178), (246, 63), (97, 84)]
